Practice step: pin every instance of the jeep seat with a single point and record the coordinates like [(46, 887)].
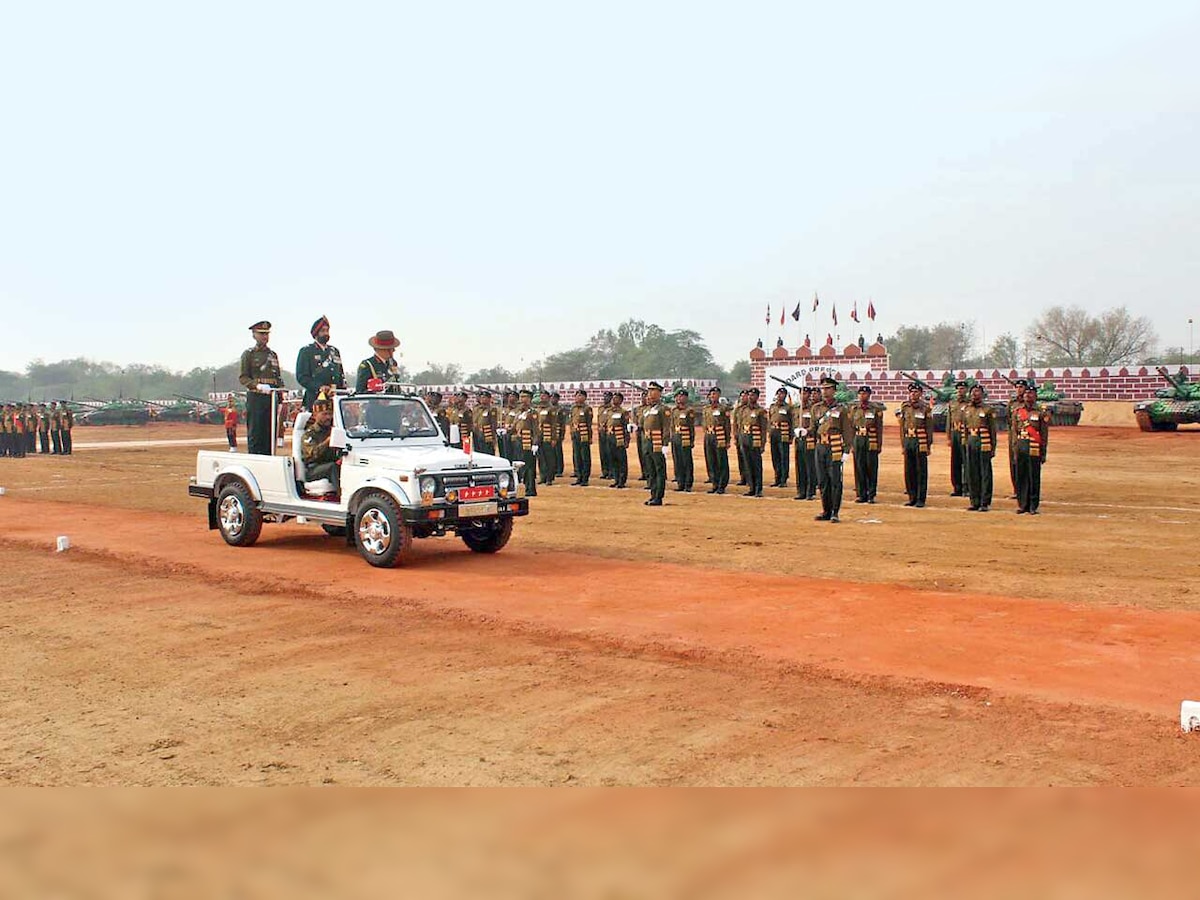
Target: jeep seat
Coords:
[(319, 488)]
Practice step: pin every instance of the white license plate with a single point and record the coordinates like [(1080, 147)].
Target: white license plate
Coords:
[(478, 509)]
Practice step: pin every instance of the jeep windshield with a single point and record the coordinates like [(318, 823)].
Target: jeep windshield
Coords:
[(387, 417)]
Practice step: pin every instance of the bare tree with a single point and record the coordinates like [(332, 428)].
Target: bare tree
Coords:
[(1069, 336), (950, 344)]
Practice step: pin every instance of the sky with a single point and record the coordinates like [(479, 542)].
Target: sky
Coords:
[(497, 181)]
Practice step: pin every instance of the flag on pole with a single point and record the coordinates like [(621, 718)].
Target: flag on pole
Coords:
[(782, 315), (768, 313), (835, 315), (870, 310), (854, 311), (796, 311), (816, 302)]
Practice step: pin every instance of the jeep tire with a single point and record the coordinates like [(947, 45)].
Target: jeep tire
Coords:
[(488, 536), (239, 519), (379, 534)]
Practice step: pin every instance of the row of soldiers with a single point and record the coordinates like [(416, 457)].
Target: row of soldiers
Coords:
[(26, 428)]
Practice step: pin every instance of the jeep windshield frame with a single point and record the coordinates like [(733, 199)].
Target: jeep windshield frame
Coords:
[(388, 417)]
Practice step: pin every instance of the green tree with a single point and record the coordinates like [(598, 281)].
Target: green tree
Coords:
[(1005, 352), (492, 375), (740, 372), (450, 373)]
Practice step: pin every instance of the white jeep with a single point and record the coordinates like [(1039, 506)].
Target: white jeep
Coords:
[(400, 479)]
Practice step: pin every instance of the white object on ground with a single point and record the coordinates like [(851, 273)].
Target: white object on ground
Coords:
[(1189, 715), (62, 543)]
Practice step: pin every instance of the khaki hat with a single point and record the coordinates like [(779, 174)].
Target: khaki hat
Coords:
[(384, 340)]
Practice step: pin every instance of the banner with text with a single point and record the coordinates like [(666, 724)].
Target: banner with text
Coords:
[(815, 370)]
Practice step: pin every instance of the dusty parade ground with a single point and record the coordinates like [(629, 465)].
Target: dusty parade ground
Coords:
[(717, 640)]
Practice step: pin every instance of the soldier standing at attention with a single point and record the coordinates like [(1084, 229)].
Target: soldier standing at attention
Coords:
[(504, 420), (485, 419), (832, 425), (806, 447), (562, 418), (55, 429), (915, 420), (780, 416), (5, 443), (867, 425), (319, 364), (683, 438), (979, 429), (1033, 436), (1014, 404), (956, 436), (320, 460), (655, 430), (377, 370), (739, 413), (231, 423), (260, 376), (602, 435), (636, 417), (755, 424), (581, 424), (718, 432), (459, 414), (68, 422), (524, 437), (547, 429), (43, 429), (619, 429)]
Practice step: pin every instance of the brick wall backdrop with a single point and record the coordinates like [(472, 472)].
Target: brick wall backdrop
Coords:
[(1118, 383)]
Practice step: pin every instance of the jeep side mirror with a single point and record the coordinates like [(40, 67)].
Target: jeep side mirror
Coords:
[(337, 438)]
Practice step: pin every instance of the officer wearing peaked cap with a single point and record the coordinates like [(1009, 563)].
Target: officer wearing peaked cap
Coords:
[(832, 425), (260, 375), (319, 363)]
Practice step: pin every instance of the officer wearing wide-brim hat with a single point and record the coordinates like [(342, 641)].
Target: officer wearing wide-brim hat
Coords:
[(319, 364), (377, 370), (260, 375)]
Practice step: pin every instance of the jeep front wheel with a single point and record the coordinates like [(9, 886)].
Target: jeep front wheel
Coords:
[(379, 534), (489, 536), (238, 517)]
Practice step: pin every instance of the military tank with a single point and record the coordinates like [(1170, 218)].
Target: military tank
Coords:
[(116, 412), (1062, 411), (1172, 406)]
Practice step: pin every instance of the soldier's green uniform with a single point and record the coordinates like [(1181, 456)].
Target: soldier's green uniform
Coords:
[(916, 434), (832, 425), (739, 412), (509, 446), (603, 435), (31, 426), (259, 374), (485, 421), (459, 414), (5, 442), (319, 364), (780, 415), (957, 439), (752, 438), (718, 434), (618, 429), (683, 439), (581, 424), (547, 419), (805, 433), (320, 460), (979, 430), (1014, 403), (1032, 434), (866, 424), (562, 417), (524, 437), (641, 444), (42, 416), (654, 430), (56, 428), (68, 422)]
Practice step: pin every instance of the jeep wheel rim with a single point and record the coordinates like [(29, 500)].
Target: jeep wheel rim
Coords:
[(374, 532), (232, 516)]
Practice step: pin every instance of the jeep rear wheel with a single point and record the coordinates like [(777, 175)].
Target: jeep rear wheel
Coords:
[(489, 536), (381, 537), (238, 517)]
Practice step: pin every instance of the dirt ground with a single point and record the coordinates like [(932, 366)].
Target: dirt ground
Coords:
[(717, 640)]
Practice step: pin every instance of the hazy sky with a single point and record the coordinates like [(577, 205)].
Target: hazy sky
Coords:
[(497, 181)]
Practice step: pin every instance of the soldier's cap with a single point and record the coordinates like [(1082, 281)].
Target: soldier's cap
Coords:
[(322, 322), (780, 390), (1021, 383), (961, 383), (608, 395), (714, 390), (913, 386), (654, 384), (484, 392), (807, 389), (617, 395), (525, 392), (681, 391), (580, 392), (435, 394), (828, 381), (264, 325), (753, 391), (554, 395), (384, 340), (865, 389), (462, 394)]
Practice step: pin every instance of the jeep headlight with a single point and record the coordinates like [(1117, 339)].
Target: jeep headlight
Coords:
[(504, 482), (428, 487)]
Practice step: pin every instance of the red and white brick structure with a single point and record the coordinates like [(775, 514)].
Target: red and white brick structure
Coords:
[(853, 366)]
